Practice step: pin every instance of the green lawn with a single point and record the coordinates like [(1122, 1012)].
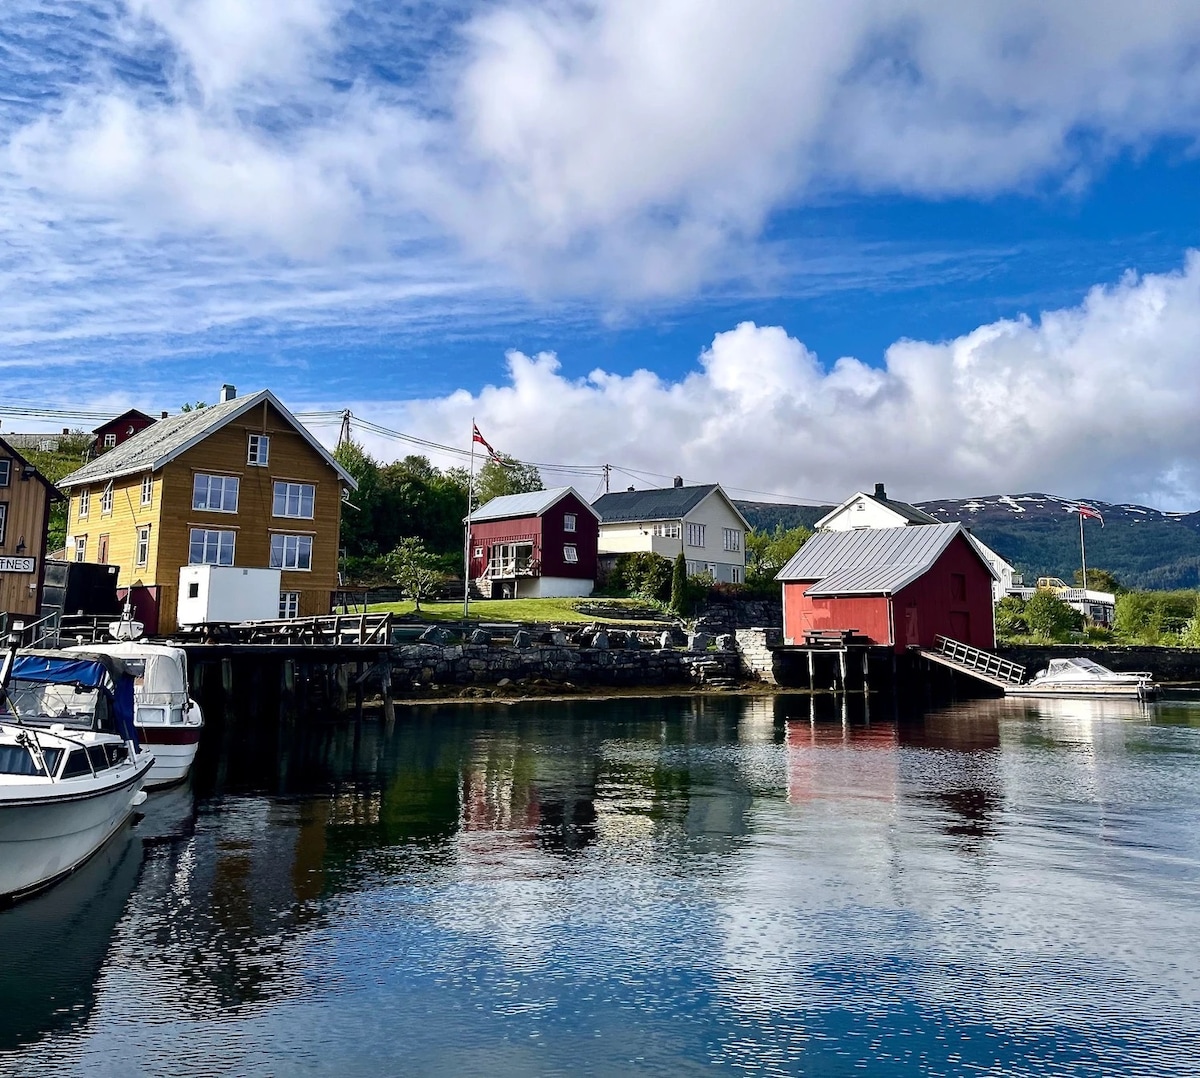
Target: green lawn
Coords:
[(544, 610)]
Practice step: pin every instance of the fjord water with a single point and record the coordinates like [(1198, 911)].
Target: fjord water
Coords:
[(660, 886)]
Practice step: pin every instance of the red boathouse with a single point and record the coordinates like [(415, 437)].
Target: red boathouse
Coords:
[(895, 587)]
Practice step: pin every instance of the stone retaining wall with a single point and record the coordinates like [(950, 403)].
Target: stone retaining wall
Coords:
[(756, 655), (474, 664)]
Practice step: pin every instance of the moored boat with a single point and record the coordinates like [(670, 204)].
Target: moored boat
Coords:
[(1085, 677), (168, 720), (71, 767)]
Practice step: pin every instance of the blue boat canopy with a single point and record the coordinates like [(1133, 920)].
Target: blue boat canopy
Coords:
[(52, 670)]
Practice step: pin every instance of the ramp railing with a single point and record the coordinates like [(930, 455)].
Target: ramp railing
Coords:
[(983, 662)]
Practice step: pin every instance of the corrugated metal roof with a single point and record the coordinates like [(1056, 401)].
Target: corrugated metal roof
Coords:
[(162, 441), (868, 561), (532, 504)]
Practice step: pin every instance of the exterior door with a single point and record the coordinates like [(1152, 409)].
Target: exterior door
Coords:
[(102, 550), (912, 635), (960, 625)]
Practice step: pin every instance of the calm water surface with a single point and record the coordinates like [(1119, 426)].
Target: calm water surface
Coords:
[(654, 886)]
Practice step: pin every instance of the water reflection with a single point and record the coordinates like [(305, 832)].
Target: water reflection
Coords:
[(788, 884)]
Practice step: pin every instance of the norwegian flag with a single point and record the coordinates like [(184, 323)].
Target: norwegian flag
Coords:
[(1089, 513), (477, 437)]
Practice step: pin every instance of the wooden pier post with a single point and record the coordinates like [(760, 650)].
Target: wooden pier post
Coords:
[(342, 674), (358, 688), (287, 689), (842, 668), (389, 706), (812, 680), (227, 685)]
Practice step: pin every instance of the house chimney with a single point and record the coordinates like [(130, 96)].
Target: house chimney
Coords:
[(164, 415), (631, 488), (228, 392), (678, 481), (879, 491), (66, 430)]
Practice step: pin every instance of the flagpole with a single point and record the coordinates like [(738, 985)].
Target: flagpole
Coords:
[(1083, 554), (467, 538)]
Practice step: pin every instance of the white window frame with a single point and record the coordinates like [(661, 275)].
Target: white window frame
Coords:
[(733, 540), (290, 489), (5, 472), (85, 502), (222, 536), (569, 522), (693, 568), (258, 450), (289, 604), (223, 482), (110, 440), (735, 574), (287, 552), (148, 489), (80, 547), (478, 552), (106, 500), (695, 532), (667, 530), (570, 554), (141, 555), (3, 521)]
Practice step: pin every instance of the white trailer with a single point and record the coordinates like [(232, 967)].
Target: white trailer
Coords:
[(226, 594)]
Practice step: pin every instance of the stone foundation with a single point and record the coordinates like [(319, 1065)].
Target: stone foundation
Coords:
[(756, 655)]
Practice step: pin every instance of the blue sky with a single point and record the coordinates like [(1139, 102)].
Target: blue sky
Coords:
[(643, 232)]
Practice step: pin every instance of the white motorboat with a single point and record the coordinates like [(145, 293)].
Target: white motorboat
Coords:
[(71, 768), (1084, 677), (168, 721)]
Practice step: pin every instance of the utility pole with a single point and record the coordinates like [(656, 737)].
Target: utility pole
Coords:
[(344, 433), (607, 472)]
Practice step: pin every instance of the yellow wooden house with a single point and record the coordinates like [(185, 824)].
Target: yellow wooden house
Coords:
[(25, 499), (240, 483)]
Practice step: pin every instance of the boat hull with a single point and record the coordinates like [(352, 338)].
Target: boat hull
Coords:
[(1131, 690), (174, 749), (45, 834)]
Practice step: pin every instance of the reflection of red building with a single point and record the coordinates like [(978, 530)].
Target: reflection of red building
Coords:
[(829, 761), (897, 587)]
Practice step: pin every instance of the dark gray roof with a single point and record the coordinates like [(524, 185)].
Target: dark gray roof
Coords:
[(664, 503), (164, 440), (869, 561), (533, 504)]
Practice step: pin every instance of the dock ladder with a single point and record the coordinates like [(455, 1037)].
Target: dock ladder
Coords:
[(975, 662)]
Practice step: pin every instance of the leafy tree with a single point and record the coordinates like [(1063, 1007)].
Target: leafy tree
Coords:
[(359, 516), (72, 453), (414, 569), (1099, 580), (679, 579), (511, 477), (1010, 616), (1049, 617), (769, 551), (644, 573), (1190, 637), (185, 407)]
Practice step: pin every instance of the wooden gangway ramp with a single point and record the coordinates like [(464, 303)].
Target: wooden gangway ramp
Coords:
[(974, 662)]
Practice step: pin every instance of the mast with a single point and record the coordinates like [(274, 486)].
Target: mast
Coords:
[(1082, 555), (467, 537)]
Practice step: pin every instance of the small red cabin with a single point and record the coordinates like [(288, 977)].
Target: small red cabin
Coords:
[(897, 587), (535, 545), (111, 434)]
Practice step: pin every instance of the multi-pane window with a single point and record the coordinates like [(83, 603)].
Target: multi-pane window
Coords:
[(291, 551), (80, 547), (147, 489), (695, 535), (289, 604), (3, 521), (733, 539), (667, 530), (294, 499), (568, 522), (110, 440), (106, 498), (208, 546), (5, 472), (258, 450), (736, 574), (570, 554), (142, 554), (215, 493), (85, 502)]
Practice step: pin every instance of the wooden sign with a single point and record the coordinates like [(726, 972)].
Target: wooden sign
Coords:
[(17, 565)]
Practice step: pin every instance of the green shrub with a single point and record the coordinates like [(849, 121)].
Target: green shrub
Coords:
[(1050, 618), (643, 574)]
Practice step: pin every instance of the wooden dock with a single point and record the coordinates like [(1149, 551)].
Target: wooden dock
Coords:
[(974, 663)]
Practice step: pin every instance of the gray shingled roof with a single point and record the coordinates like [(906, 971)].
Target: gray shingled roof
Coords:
[(666, 503), (870, 561), (164, 440), (533, 504)]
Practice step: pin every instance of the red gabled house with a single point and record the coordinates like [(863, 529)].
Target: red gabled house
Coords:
[(897, 587), (111, 434), (534, 545)]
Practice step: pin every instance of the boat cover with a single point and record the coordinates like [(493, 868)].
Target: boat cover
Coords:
[(92, 672)]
